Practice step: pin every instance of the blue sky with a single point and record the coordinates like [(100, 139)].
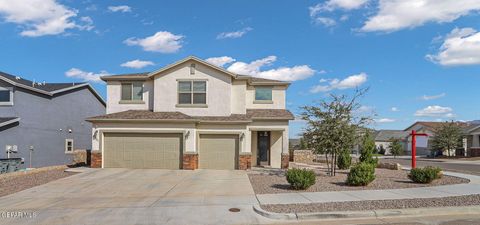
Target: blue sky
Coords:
[(420, 59)]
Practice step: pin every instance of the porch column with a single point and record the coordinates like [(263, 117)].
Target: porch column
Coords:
[(285, 152)]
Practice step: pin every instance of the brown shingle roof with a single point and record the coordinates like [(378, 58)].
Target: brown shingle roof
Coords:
[(270, 114), (141, 115), (435, 125), (267, 114)]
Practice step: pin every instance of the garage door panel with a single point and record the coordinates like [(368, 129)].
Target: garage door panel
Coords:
[(218, 151), (132, 150)]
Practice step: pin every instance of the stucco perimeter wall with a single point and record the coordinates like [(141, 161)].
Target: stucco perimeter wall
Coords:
[(278, 98), (218, 90), (114, 92)]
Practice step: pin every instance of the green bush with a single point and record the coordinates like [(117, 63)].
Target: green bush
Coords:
[(361, 174), (344, 160), (300, 179), (368, 149), (425, 175)]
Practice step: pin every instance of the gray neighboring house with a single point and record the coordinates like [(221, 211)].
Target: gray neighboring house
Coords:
[(48, 116), (384, 138)]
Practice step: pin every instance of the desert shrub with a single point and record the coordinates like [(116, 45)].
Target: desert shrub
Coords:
[(368, 149), (300, 179), (361, 174), (344, 160), (425, 175)]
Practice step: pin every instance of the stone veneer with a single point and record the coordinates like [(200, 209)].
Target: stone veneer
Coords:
[(190, 161), (285, 161), (245, 162), (303, 156), (96, 159)]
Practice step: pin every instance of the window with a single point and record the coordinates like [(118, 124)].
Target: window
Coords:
[(192, 69), (68, 145), (132, 91), (263, 93), (6, 96), (192, 92)]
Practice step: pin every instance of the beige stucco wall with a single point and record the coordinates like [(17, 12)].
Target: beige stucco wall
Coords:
[(278, 139), (114, 91), (278, 98), (238, 101), (254, 147), (218, 90), (276, 145)]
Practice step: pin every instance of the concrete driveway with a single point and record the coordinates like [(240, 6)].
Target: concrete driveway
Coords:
[(128, 196)]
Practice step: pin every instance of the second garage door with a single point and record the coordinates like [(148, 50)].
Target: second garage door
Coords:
[(139, 150), (218, 151)]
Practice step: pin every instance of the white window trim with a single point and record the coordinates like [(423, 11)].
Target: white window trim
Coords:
[(192, 105), (11, 95), (66, 146), (131, 101)]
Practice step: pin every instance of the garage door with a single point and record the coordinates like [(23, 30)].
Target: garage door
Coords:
[(137, 150), (218, 151)]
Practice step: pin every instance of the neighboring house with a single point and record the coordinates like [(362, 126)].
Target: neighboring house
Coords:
[(424, 144), (189, 115), (384, 138), (472, 140), (50, 117)]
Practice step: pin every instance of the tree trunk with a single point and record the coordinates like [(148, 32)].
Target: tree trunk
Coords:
[(326, 158), (335, 168)]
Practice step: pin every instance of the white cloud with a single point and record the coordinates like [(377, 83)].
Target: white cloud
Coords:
[(431, 97), (282, 73), (325, 21), (120, 8), (85, 76), (460, 47), (349, 82), (88, 23), (395, 15), (234, 34), (220, 61), (385, 120), (435, 111), (41, 17), (365, 108), (137, 64), (394, 109), (162, 41)]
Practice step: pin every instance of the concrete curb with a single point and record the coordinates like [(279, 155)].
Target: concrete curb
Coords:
[(438, 211)]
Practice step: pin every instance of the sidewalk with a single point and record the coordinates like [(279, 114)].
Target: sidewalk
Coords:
[(407, 193)]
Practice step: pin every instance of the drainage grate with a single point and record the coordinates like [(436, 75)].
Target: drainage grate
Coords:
[(234, 210)]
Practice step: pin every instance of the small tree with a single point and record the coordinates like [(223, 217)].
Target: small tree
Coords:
[(396, 147), (447, 137), (331, 126), (303, 145), (381, 150), (368, 148)]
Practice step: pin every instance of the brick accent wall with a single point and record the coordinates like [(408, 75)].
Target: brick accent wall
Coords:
[(190, 161), (96, 159), (474, 152), (245, 162), (285, 161)]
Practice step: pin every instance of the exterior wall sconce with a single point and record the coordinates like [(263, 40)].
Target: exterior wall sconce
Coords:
[(187, 134), (242, 135)]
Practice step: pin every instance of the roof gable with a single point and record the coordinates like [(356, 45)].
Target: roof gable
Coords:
[(193, 59)]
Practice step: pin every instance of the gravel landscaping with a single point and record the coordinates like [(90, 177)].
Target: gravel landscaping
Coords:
[(466, 200), (21, 180), (271, 181)]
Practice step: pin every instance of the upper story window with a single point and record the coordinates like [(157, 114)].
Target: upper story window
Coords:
[(132, 91), (192, 92), (6, 96), (263, 93)]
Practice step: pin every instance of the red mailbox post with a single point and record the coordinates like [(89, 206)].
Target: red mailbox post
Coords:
[(414, 147)]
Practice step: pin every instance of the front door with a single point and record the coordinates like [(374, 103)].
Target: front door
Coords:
[(263, 157)]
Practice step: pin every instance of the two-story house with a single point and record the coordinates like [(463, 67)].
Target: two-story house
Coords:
[(45, 120), (189, 115)]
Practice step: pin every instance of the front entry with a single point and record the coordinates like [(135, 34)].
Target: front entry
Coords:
[(263, 153)]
